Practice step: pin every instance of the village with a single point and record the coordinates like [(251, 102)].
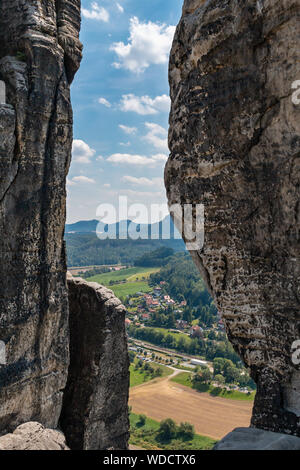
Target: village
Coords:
[(142, 306)]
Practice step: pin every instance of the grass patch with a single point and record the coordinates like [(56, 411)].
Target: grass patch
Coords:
[(130, 288), (122, 275), (132, 277), (139, 376), (184, 378), (147, 436)]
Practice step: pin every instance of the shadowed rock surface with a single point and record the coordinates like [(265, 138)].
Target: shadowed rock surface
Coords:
[(33, 436), (95, 409), (257, 439), (234, 141), (39, 55)]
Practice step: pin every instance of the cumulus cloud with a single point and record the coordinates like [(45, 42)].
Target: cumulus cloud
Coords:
[(129, 159), (144, 105), (82, 179), (120, 8), (96, 13), (145, 182), (82, 152), (128, 130), (148, 43), (105, 102), (156, 136)]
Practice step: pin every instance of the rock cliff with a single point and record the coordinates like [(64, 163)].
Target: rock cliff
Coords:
[(95, 406), (234, 142), (39, 54)]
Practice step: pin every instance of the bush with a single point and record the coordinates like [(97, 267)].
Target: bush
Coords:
[(142, 420), (186, 431), (168, 428)]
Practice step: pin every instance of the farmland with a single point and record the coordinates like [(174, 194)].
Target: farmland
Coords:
[(211, 416), (126, 281)]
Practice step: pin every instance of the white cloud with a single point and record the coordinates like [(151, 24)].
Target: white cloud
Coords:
[(82, 152), (96, 13), (156, 136), (149, 43), (160, 157), (105, 102), (106, 185), (82, 179), (99, 158), (129, 159), (128, 130), (145, 182), (120, 8), (144, 105), (125, 144), (70, 182)]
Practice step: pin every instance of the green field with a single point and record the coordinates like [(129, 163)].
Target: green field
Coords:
[(128, 274), (147, 437), (137, 377), (130, 288), (184, 378), (133, 278)]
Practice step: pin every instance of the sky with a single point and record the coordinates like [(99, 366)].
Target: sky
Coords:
[(120, 99)]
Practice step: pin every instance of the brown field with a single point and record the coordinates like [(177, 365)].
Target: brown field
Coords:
[(212, 416)]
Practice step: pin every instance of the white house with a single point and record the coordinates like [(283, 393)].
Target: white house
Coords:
[(198, 362), (2, 92)]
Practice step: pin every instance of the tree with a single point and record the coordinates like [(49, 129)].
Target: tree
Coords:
[(158, 372), (186, 431), (220, 379), (131, 356), (168, 428), (206, 375), (142, 420)]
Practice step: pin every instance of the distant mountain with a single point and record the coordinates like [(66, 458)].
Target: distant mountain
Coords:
[(83, 226), (164, 229), (85, 248)]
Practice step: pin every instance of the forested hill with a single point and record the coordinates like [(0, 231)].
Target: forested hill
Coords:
[(85, 249), (183, 283)]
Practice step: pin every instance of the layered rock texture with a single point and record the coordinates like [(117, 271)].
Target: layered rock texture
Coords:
[(234, 141), (95, 406), (39, 54)]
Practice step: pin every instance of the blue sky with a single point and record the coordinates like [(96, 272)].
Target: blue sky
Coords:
[(121, 104)]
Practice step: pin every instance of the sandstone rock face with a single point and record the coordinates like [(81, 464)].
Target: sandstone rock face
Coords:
[(95, 410), (39, 54), (33, 436), (234, 141)]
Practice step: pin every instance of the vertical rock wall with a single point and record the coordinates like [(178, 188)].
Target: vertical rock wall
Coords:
[(39, 55), (234, 140), (95, 405)]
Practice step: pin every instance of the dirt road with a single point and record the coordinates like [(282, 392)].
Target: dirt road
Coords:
[(211, 416)]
